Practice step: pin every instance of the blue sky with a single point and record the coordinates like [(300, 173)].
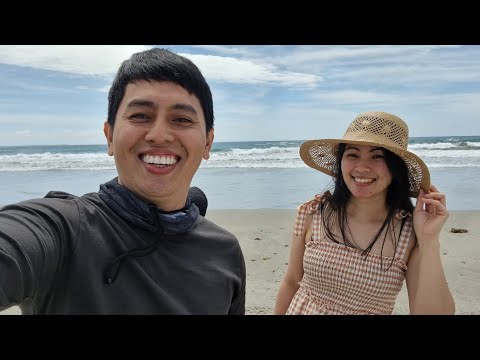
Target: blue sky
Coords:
[(57, 94)]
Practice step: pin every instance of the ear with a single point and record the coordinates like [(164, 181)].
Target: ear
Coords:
[(208, 145), (108, 131)]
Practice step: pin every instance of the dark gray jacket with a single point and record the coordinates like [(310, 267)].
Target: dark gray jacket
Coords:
[(64, 254)]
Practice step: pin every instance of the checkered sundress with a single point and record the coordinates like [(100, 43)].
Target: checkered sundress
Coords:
[(339, 280)]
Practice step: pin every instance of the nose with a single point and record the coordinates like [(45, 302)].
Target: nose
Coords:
[(160, 131), (362, 166)]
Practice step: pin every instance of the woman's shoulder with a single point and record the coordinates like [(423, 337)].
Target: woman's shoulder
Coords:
[(318, 199), (314, 203)]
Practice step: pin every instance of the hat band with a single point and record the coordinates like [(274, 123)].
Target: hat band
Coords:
[(380, 140)]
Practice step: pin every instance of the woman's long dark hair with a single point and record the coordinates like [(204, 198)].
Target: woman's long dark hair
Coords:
[(398, 199)]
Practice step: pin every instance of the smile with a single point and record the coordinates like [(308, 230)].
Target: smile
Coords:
[(160, 160), (363, 180)]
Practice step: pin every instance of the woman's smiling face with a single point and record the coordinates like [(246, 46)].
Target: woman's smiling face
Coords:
[(365, 171)]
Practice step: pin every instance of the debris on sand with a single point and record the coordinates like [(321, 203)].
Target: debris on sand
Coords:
[(454, 230)]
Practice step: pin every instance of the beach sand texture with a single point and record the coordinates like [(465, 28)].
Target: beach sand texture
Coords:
[(264, 235)]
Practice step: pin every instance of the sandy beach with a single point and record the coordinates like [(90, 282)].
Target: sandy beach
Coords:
[(266, 242), (264, 235)]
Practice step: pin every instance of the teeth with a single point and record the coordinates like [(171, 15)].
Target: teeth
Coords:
[(363, 181), (159, 160)]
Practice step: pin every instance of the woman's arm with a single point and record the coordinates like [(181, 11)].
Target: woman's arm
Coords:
[(289, 284), (427, 286)]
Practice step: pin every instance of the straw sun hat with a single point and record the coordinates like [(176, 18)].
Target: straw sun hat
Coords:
[(373, 128)]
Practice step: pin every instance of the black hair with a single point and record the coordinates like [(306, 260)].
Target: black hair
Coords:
[(398, 199), (158, 64)]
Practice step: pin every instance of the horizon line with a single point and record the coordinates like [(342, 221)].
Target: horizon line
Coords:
[(240, 141)]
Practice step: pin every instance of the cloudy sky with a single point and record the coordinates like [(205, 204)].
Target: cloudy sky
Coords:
[(52, 94)]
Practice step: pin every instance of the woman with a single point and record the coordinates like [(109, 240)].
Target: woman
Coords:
[(353, 248)]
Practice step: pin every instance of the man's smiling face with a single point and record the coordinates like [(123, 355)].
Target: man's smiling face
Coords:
[(158, 142)]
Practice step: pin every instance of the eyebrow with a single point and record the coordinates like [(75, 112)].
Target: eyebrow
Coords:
[(184, 107), (150, 104), (348, 147), (140, 103)]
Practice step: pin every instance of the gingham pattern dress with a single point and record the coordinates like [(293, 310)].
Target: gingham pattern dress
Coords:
[(339, 280)]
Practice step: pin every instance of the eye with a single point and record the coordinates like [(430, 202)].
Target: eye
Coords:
[(183, 121), (139, 117)]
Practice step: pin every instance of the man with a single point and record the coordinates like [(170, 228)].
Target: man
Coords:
[(138, 245)]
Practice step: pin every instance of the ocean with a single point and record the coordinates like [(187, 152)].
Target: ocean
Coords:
[(238, 175)]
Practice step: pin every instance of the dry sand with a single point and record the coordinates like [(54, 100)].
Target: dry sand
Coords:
[(264, 235), (265, 239)]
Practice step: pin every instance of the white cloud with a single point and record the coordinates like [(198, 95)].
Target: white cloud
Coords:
[(229, 69), (228, 50), (23, 132), (355, 54), (409, 73), (416, 65), (279, 92), (104, 89), (104, 60), (47, 129), (101, 60)]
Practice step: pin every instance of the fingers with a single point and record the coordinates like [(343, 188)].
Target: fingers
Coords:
[(434, 202), (419, 204), (435, 207), (435, 194)]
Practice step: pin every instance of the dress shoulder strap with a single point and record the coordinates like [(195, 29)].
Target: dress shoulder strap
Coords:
[(405, 235), (310, 207)]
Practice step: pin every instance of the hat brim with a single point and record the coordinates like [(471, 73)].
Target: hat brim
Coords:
[(320, 155)]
